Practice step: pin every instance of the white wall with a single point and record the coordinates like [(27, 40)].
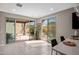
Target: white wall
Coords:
[(2, 29), (64, 23)]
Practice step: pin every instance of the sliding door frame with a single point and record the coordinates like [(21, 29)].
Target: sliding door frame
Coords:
[(47, 18)]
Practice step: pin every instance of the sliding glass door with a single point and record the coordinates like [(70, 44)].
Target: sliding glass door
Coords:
[(10, 30), (44, 30), (22, 30), (51, 28), (25, 30), (48, 29), (19, 30), (32, 30)]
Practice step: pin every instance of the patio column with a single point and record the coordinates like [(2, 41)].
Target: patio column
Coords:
[(24, 29)]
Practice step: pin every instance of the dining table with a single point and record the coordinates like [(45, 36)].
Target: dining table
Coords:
[(65, 49)]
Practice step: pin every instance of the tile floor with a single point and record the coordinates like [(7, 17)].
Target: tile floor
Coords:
[(38, 47)]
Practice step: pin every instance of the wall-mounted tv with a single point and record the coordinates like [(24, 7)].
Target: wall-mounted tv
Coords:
[(75, 21)]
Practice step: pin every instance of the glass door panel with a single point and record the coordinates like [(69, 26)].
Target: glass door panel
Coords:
[(32, 30), (51, 28), (27, 31), (19, 30), (22, 30), (44, 30), (10, 30)]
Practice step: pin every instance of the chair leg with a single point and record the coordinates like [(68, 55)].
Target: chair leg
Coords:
[(51, 51), (56, 53)]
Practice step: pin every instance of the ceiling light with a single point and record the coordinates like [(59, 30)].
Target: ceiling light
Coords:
[(51, 9)]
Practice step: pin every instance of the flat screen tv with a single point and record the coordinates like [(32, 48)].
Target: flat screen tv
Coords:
[(75, 21)]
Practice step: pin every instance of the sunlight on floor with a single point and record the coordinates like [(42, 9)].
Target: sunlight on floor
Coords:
[(36, 43)]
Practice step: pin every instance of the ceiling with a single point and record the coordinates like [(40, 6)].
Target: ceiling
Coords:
[(35, 10)]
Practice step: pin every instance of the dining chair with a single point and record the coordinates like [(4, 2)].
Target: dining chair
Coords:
[(53, 43), (62, 38)]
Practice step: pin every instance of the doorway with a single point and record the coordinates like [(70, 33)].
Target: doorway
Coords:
[(25, 30), (10, 30), (19, 30), (48, 29)]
